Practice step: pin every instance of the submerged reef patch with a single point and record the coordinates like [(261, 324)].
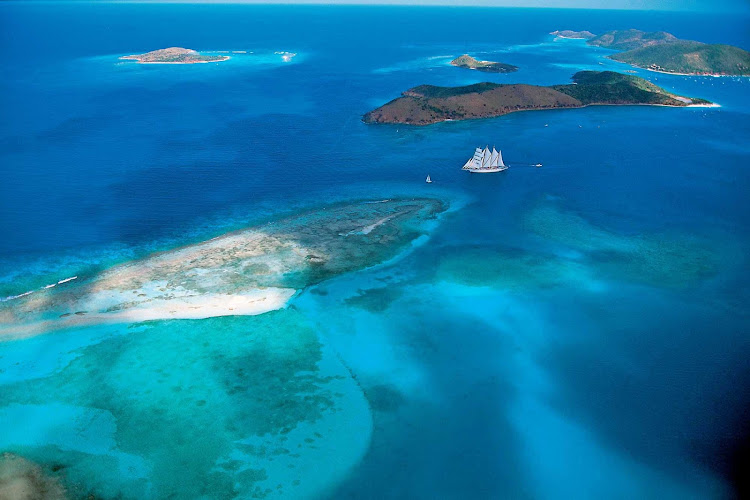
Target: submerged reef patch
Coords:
[(657, 259), (247, 272), (375, 300), (507, 268), (385, 397), (218, 408), (21, 479), (577, 252)]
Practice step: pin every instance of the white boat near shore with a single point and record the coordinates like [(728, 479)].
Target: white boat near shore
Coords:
[(485, 161)]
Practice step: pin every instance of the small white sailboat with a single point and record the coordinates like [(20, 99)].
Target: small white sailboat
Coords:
[(428, 180), (485, 162)]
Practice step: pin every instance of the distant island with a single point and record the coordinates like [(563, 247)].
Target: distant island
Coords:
[(632, 39), (174, 55), (286, 56), (585, 35), (664, 52), (466, 61), (689, 58), (427, 104)]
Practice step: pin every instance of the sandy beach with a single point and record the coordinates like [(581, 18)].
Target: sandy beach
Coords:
[(243, 273), (688, 74)]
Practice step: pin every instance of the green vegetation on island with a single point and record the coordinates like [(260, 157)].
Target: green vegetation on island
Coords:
[(608, 87), (174, 55), (631, 39), (427, 104), (466, 61), (662, 51), (690, 58), (581, 35)]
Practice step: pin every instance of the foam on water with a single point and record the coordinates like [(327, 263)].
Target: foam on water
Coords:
[(418, 64)]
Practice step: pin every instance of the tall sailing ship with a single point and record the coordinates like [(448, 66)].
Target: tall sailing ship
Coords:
[(485, 161)]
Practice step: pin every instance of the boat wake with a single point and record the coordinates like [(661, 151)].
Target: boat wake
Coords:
[(45, 287)]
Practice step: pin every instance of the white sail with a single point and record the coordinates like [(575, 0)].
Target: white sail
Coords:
[(486, 156), (476, 160), (494, 157), (500, 159)]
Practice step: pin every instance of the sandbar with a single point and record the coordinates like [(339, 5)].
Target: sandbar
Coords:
[(247, 272)]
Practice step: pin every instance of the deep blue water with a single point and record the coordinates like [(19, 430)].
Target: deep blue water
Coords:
[(576, 375)]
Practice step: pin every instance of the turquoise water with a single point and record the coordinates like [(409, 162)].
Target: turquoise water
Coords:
[(572, 331)]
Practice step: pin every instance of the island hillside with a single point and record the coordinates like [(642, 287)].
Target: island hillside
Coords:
[(174, 55), (689, 58), (428, 104), (662, 51), (583, 35), (466, 61), (631, 39)]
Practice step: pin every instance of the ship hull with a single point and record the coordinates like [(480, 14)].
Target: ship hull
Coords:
[(486, 170)]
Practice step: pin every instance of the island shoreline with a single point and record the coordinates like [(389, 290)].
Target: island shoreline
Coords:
[(710, 75), (712, 105), (176, 55), (135, 58), (429, 104)]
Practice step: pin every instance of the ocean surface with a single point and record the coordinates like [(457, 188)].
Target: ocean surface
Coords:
[(574, 331)]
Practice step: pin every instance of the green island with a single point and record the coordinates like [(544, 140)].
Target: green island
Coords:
[(427, 104), (468, 62), (689, 58), (663, 52), (581, 35), (174, 55), (631, 39)]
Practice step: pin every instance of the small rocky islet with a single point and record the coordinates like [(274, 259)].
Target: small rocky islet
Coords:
[(174, 55), (468, 62), (582, 35)]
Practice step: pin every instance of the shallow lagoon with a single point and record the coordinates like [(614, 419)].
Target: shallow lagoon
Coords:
[(240, 406)]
